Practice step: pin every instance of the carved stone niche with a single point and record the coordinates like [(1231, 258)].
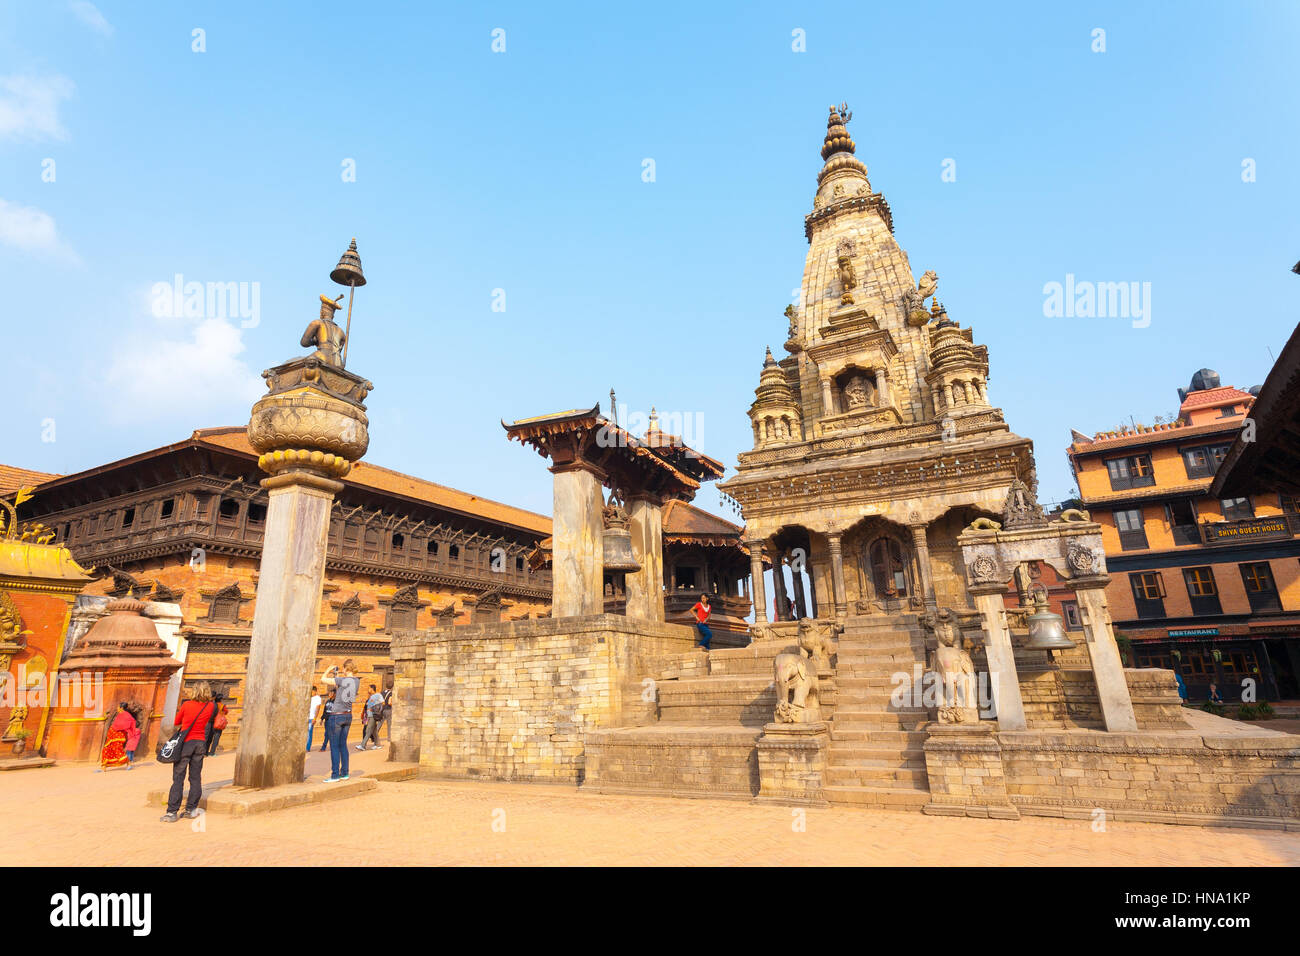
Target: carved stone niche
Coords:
[(224, 605), (403, 609)]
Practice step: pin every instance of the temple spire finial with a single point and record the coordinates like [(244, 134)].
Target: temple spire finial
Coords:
[(837, 135)]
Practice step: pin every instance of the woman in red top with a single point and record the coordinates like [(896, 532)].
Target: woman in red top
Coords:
[(196, 713), (701, 610), (123, 738)]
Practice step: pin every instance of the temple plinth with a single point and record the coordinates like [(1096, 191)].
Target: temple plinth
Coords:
[(309, 429), (587, 453)]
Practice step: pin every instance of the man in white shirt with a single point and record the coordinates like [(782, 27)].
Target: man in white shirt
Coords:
[(311, 716)]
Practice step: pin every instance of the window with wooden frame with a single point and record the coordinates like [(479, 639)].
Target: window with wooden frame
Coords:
[(1261, 590), (1132, 529), (1202, 590), (1237, 509), (1133, 471), (1148, 593)]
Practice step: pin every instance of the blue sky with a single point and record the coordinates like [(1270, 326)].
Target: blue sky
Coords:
[(522, 171)]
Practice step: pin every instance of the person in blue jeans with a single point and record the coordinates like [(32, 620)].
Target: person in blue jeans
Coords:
[(311, 716), (338, 717), (701, 610)]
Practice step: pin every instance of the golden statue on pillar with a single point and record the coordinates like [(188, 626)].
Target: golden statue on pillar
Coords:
[(325, 334)]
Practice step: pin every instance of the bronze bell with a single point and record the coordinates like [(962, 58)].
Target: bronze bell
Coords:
[(617, 543), (1046, 629), (348, 271)]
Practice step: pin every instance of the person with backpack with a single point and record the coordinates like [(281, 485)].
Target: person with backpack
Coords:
[(219, 724), (373, 713), (386, 715), (192, 720), (345, 685)]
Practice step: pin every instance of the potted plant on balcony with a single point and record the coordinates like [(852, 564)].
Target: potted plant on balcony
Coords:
[(20, 741)]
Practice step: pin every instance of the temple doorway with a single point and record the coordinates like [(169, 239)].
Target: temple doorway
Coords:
[(884, 573), (794, 595)]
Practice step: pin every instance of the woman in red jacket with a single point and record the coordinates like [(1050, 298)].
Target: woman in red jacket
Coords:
[(196, 713), (123, 738)]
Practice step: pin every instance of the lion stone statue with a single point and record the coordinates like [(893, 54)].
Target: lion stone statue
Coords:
[(795, 677), (914, 299)]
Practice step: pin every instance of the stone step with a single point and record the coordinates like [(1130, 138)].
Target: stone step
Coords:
[(879, 720), (842, 776), (893, 798), (841, 756), (864, 736)]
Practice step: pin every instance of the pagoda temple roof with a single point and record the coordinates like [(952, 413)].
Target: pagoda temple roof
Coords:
[(659, 452)]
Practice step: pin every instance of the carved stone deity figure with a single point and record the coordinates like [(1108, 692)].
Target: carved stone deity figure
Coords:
[(953, 670), (857, 392), (794, 321), (795, 677), (848, 278), (914, 299), (326, 335), (16, 718)]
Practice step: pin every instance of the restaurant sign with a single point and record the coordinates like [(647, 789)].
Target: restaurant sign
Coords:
[(1194, 632), (1253, 529)]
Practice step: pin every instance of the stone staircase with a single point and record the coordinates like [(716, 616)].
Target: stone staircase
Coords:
[(712, 708), (876, 756)]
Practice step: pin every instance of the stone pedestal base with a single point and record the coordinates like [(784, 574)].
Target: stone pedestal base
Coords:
[(964, 765), (792, 763)]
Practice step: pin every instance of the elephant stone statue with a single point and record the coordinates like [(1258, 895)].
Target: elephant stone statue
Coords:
[(795, 677)]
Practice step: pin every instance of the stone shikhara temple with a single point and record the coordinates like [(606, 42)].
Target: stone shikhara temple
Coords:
[(899, 505)]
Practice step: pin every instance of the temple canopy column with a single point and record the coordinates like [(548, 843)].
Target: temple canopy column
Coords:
[(587, 452), (645, 592), (828, 401), (922, 547), (778, 586), (755, 547), (577, 562), (833, 539), (800, 600)]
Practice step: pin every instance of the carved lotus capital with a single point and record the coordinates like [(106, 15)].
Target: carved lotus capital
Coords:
[(308, 429)]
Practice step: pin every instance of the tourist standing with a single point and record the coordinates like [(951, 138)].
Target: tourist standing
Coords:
[(345, 685), (195, 715), (702, 611), (373, 713), (325, 720), (311, 715), (387, 713), (218, 724), (123, 738)]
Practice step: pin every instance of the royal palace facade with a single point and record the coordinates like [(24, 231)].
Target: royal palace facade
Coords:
[(184, 524)]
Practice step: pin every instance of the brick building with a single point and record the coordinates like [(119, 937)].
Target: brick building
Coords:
[(184, 524), (1203, 583)]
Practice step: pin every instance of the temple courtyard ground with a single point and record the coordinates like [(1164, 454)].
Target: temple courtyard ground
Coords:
[(67, 815)]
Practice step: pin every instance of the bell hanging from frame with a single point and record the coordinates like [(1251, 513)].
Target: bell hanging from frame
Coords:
[(617, 543)]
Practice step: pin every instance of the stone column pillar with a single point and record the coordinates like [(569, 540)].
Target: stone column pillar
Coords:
[(882, 388), (577, 549), (1001, 659), (1107, 668), (828, 402), (837, 572), (645, 590), (756, 580), (313, 404), (779, 596), (922, 547), (800, 601), (947, 395), (282, 651)]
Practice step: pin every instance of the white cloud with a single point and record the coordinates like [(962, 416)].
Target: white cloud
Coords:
[(187, 372), (31, 230), (29, 106), (89, 14)]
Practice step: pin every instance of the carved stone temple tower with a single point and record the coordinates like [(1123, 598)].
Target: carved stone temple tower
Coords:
[(874, 441)]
